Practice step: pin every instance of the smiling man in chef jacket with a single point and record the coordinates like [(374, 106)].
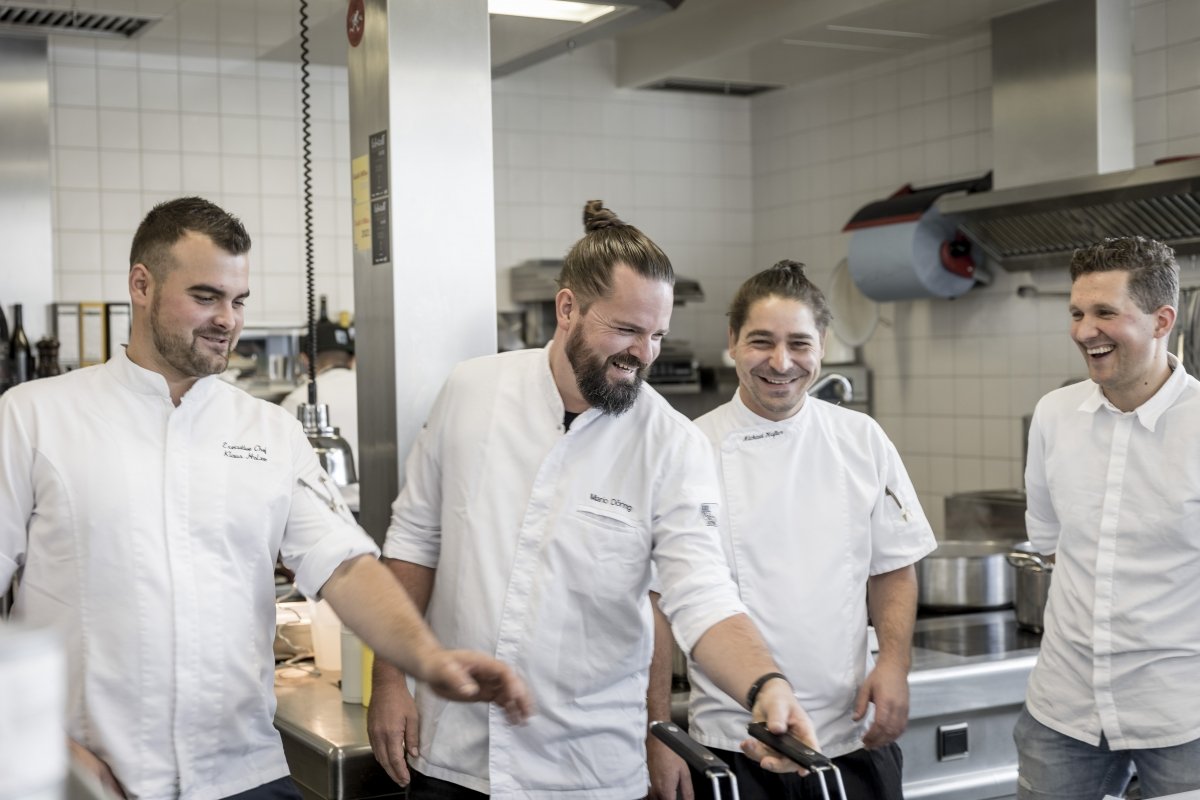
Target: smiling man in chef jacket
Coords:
[(143, 504), (1113, 492), (539, 491), (821, 525)]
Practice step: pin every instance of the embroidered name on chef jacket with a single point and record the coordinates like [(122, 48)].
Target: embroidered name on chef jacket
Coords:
[(611, 502), (245, 452), (750, 437), (709, 512)]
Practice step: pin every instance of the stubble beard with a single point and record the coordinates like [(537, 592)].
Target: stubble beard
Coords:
[(182, 354)]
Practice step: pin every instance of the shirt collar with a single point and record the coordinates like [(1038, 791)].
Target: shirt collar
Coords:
[(745, 418), (145, 381), (1149, 411)]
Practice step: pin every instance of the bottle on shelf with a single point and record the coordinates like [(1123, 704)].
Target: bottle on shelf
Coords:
[(20, 354), (5, 380)]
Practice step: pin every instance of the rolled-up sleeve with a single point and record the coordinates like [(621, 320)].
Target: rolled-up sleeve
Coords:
[(321, 533), (697, 588), (415, 532), (1041, 521)]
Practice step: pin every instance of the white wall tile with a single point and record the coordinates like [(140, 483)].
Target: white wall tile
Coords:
[(74, 85), (160, 131), (1183, 21), (158, 90), (1149, 27), (118, 88)]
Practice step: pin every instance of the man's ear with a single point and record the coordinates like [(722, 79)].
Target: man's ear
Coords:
[(1164, 321), (565, 308), (141, 283)]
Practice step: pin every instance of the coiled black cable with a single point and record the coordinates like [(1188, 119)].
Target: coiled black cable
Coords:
[(306, 162)]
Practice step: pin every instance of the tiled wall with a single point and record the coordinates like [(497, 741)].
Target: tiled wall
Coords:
[(727, 186), (952, 378), (675, 165), (190, 109)]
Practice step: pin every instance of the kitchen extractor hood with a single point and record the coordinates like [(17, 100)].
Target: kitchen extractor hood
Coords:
[(1063, 144), (536, 281)]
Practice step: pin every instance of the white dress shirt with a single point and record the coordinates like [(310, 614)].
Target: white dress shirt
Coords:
[(1116, 496), (147, 533), (542, 541), (337, 388), (806, 519)]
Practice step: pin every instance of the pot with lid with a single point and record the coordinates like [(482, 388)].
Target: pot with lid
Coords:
[(1032, 585), (965, 576)]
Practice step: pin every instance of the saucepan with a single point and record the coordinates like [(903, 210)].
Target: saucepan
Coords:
[(1033, 585), (965, 576)]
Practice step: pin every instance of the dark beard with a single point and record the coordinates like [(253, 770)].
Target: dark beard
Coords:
[(180, 353), (591, 378)]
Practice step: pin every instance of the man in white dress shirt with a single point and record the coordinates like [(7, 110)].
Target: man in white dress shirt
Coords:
[(820, 524), (1113, 484), (541, 488), (143, 505)]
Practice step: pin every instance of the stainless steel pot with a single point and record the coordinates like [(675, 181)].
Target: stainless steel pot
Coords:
[(965, 576), (1033, 585)]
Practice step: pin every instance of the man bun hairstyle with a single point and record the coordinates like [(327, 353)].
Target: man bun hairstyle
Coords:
[(608, 241), (170, 221), (1153, 270), (785, 279)]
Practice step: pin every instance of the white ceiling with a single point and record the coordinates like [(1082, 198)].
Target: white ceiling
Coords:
[(774, 42)]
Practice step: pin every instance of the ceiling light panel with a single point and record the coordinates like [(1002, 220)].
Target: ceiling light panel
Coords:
[(550, 9)]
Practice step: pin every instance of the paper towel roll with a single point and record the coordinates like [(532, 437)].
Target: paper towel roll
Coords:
[(903, 261)]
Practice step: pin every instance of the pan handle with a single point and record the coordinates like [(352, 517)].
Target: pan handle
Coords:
[(697, 756), (790, 746), (1019, 558)]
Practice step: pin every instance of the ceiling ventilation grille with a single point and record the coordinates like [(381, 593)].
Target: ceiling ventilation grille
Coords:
[(727, 88), (31, 19)]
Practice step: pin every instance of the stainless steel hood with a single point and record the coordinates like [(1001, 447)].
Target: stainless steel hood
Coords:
[(1034, 227), (1063, 144)]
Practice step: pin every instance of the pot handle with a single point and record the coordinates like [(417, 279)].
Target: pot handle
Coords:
[(1019, 558)]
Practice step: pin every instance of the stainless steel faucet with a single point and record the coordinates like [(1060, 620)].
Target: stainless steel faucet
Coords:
[(845, 394)]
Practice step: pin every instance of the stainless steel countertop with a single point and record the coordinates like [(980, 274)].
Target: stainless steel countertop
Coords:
[(325, 741)]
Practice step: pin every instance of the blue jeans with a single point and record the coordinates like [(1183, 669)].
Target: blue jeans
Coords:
[(1054, 766), (278, 789)]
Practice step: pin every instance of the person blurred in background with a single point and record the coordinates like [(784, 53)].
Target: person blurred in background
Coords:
[(337, 381)]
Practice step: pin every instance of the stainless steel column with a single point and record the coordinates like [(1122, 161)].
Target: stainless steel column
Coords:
[(421, 75)]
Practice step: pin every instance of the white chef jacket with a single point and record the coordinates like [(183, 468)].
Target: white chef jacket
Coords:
[(148, 534), (542, 541), (337, 388), (806, 518), (1116, 495)]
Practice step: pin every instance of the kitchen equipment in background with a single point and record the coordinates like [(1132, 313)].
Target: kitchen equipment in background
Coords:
[(1034, 572), (987, 515), (47, 358), (846, 385), (855, 316), (903, 248), (965, 576)]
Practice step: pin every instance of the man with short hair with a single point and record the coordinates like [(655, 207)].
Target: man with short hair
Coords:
[(820, 524), (144, 504), (1113, 492), (542, 487)]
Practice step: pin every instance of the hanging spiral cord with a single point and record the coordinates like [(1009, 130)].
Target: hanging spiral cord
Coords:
[(306, 162)]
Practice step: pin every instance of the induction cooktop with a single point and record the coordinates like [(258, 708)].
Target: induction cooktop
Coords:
[(975, 635)]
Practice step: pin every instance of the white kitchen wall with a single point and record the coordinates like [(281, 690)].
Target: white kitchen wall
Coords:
[(676, 165), (952, 378), (190, 109), (727, 186)]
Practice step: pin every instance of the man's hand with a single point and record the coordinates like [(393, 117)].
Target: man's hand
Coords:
[(668, 773), (92, 765), (392, 728), (887, 688), (470, 676), (777, 706)]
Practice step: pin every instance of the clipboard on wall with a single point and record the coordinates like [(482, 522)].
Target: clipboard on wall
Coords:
[(66, 330), (92, 349), (116, 327)]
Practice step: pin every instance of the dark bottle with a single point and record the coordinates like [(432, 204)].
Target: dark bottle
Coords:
[(20, 354), (5, 380), (324, 315), (47, 357)]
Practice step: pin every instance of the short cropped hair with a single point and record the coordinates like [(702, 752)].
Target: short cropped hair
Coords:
[(1153, 271), (170, 221)]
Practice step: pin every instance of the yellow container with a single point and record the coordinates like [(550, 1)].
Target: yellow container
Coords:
[(368, 663)]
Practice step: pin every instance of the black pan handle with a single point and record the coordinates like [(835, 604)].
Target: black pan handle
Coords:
[(790, 746), (697, 756)]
